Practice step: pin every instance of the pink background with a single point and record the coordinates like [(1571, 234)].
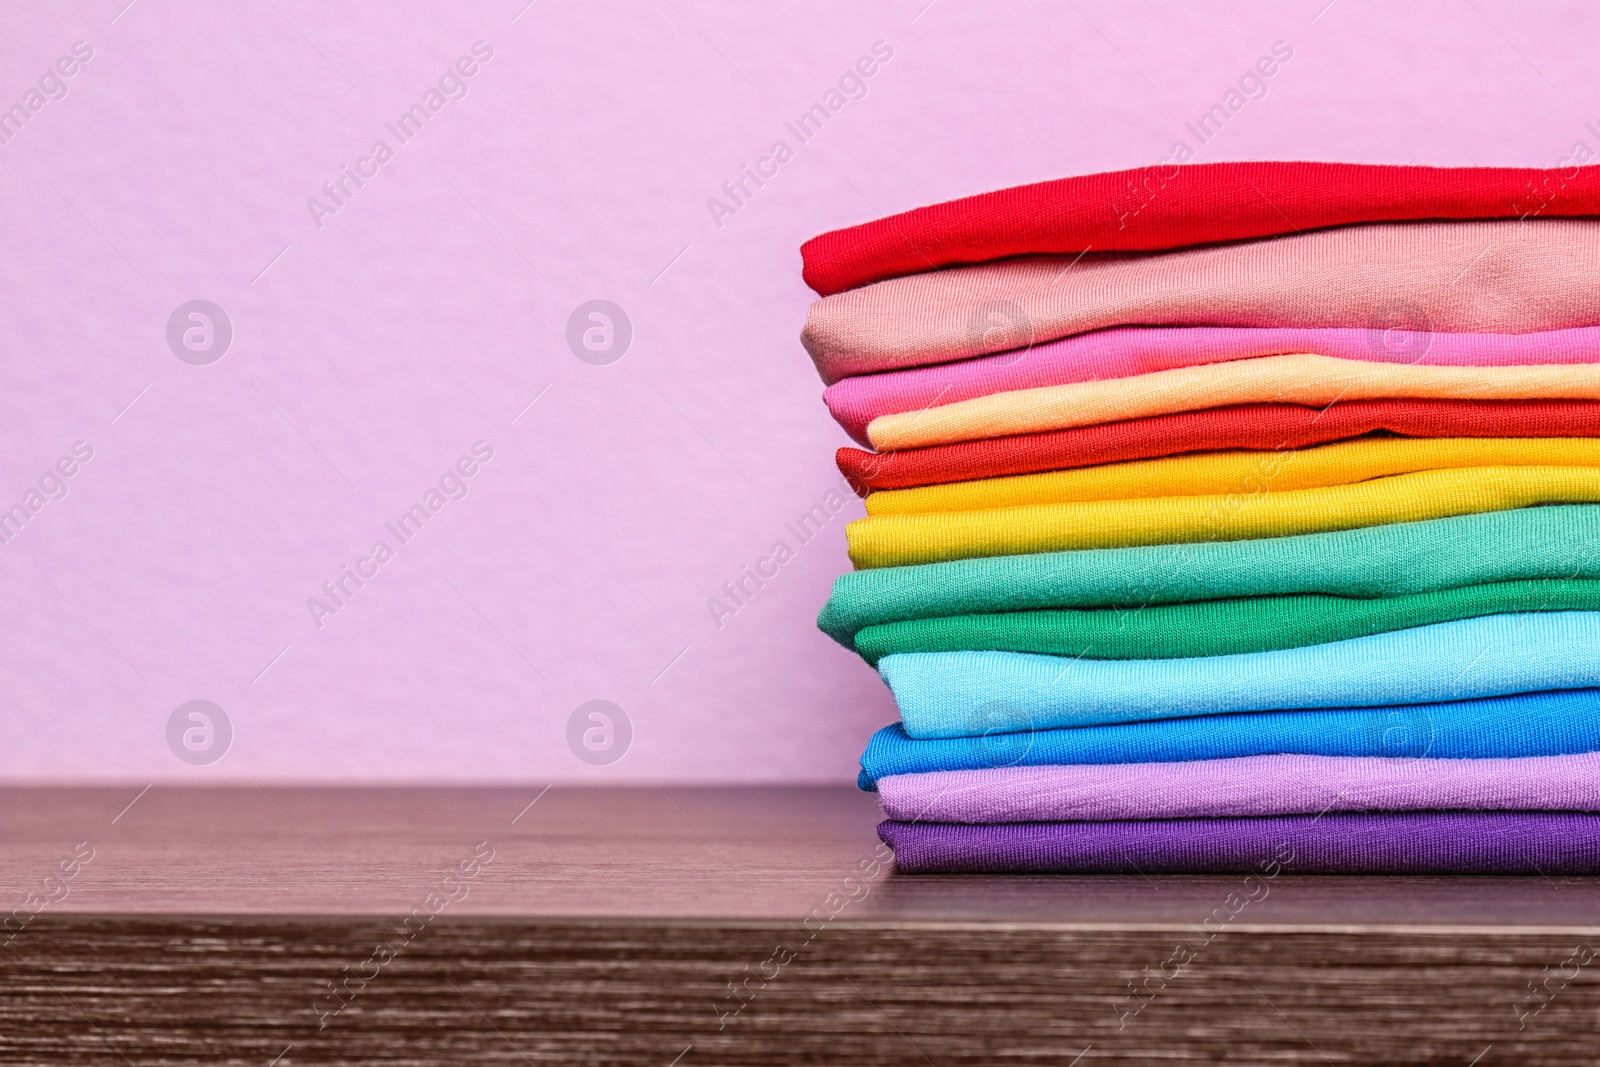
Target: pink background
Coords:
[(424, 315)]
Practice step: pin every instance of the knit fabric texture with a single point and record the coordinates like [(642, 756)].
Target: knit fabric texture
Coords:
[(897, 540), (1543, 843), (1247, 785), (966, 694), (1257, 427), (1135, 350), (1341, 463), (1378, 561), (1456, 277), (1169, 206), (1299, 379), (1525, 724), (1218, 627)]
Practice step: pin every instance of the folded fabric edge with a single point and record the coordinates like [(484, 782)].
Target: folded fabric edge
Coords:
[(1541, 843), (849, 257)]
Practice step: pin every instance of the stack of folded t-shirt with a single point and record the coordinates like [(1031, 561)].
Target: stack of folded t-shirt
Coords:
[(1226, 516)]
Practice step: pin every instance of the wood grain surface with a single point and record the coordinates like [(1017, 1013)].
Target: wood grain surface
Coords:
[(733, 926)]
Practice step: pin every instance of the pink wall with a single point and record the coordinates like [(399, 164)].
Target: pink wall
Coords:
[(374, 345)]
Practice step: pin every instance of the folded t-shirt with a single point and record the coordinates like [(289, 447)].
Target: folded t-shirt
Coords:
[(1248, 785), (1259, 427), (1449, 277), (1530, 842), (1217, 627), (898, 540), (1525, 724), (1300, 379), (1255, 473), (1168, 206), (969, 694), (1373, 561), (1134, 350)]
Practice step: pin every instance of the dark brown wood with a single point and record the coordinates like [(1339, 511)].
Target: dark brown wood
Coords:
[(729, 926)]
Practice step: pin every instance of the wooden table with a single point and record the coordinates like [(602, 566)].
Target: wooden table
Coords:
[(725, 926)]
